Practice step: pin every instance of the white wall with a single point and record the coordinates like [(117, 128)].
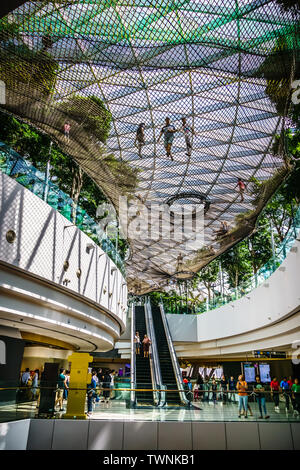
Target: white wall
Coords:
[(45, 239), (90, 312)]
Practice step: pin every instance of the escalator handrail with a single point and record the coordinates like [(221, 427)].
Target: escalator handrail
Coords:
[(173, 355), (153, 357), (161, 396), (133, 365)]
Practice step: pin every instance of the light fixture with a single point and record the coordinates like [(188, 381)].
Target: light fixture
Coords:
[(113, 270), (66, 265), (89, 247), (78, 273), (11, 236)]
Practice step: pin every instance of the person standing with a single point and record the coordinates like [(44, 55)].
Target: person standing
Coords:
[(106, 387), (67, 128), (146, 345), (140, 138), (188, 132), (214, 388), (112, 383), (224, 388), (200, 386), (275, 392), (61, 384), (25, 377), (242, 388), (168, 132), (137, 341), (260, 397), (91, 393), (67, 384), (34, 387), (285, 388), (296, 396), (231, 389)]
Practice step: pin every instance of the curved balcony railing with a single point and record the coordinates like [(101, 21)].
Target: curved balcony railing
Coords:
[(231, 294), (13, 165)]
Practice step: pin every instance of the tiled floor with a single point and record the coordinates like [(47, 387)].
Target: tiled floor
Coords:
[(117, 410)]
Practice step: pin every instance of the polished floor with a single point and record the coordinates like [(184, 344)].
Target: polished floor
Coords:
[(116, 410)]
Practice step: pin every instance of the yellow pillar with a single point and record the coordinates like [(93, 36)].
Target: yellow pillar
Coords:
[(79, 378)]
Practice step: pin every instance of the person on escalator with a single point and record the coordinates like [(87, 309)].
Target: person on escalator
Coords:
[(137, 341), (146, 345)]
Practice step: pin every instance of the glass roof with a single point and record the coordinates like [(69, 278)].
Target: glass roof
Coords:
[(151, 59)]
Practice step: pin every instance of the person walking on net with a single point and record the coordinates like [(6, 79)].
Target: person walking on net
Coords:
[(168, 132), (242, 188), (188, 132), (140, 138)]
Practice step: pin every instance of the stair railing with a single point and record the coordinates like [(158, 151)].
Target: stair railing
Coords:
[(133, 362), (159, 397), (174, 359)]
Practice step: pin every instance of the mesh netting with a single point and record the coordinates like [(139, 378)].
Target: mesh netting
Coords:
[(220, 64)]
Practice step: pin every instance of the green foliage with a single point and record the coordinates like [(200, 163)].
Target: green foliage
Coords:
[(34, 146), (126, 176), (260, 244), (91, 113), (236, 262), (278, 68), (19, 64)]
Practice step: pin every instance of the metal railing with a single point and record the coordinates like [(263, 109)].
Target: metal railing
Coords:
[(132, 369), (159, 397), (174, 359)]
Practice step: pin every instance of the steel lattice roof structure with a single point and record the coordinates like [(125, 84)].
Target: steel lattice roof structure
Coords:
[(147, 60)]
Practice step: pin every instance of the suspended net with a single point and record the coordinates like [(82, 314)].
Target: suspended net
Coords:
[(227, 67)]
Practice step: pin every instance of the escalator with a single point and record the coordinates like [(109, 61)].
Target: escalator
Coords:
[(166, 364), (142, 365)]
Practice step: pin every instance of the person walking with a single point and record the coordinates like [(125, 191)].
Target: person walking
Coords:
[(242, 388), (242, 188), (231, 389), (274, 385), (146, 345), (224, 388), (140, 138), (188, 132), (260, 397), (285, 388), (168, 132)]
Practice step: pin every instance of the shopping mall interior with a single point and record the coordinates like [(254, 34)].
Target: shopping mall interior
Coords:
[(149, 225)]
